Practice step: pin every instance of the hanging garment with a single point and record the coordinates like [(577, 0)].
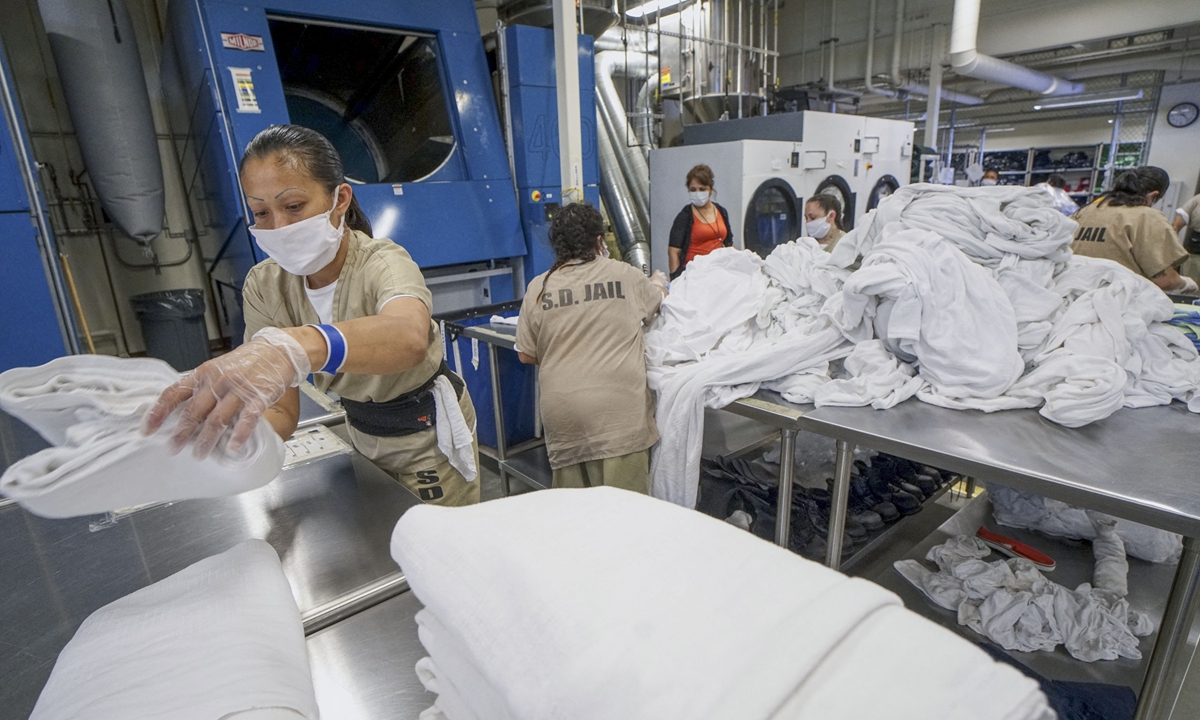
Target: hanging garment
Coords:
[(551, 606), (220, 639), (455, 437), (1015, 606)]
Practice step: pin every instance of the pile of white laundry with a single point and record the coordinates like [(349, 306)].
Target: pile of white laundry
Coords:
[(600, 603), (220, 639), (90, 408), (967, 298), (1017, 607)]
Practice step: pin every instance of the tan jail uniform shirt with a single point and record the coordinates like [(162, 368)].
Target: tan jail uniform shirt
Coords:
[(1140, 238), (376, 271), (1192, 208), (585, 330)]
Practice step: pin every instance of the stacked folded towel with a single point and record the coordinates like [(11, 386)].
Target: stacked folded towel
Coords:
[(90, 407), (220, 639), (602, 603)]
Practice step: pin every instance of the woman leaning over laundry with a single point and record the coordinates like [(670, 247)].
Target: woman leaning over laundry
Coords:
[(701, 226), (1122, 226), (351, 309), (581, 324)]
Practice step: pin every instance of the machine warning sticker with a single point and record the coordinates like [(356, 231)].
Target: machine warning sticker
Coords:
[(243, 85), (242, 41)]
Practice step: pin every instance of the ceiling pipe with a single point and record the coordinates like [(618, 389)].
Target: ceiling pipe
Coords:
[(906, 88), (969, 62), (870, 70)]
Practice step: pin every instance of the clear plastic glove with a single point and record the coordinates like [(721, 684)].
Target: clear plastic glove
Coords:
[(232, 390), (1189, 286), (659, 278)]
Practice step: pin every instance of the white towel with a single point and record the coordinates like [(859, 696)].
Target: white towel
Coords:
[(90, 407), (501, 320), (106, 465), (454, 436), (220, 639), (876, 378), (50, 398), (601, 603)]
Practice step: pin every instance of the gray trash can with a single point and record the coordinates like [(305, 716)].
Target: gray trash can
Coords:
[(173, 326)]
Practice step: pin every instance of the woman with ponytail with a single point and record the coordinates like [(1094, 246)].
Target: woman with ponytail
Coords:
[(1122, 226), (349, 309), (581, 324)]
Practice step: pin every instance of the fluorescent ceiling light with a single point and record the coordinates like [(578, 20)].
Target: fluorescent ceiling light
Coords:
[(649, 8), (1089, 99)]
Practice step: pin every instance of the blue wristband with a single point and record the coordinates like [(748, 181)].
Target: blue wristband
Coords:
[(336, 344)]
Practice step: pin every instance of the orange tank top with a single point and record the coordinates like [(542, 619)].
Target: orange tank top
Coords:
[(706, 237)]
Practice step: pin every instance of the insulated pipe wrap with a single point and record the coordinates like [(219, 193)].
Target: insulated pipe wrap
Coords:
[(970, 62), (101, 71)]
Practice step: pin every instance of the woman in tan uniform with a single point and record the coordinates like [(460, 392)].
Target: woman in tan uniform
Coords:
[(1122, 226), (352, 310), (581, 323), (823, 220)]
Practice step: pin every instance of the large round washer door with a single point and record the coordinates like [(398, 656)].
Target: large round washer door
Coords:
[(886, 186), (834, 185), (772, 217)]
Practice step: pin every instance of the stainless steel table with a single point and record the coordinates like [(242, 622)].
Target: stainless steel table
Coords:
[(769, 408), (330, 521), (1137, 464), (363, 666), (526, 461)]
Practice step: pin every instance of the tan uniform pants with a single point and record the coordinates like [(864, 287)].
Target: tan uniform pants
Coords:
[(417, 463), (628, 472)]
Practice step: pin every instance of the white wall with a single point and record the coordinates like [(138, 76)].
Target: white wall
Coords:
[(1177, 150), (41, 97)]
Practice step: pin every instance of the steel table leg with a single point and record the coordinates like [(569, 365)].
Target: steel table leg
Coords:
[(783, 503), (1171, 647), (838, 502), (498, 417)]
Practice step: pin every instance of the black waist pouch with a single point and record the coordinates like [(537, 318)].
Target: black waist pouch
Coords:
[(412, 412)]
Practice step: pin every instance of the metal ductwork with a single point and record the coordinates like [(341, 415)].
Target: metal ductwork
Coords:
[(903, 89), (969, 62), (597, 15), (630, 233), (632, 162), (101, 71)]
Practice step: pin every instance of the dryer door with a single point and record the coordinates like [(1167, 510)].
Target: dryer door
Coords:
[(772, 217), (834, 185), (886, 186)]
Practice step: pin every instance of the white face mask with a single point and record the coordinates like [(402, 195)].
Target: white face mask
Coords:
[(987, 181), (304, 247), (818, 228), (699, 198), (602, 251)]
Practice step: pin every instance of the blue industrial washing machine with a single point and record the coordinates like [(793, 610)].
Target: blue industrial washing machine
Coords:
[(403, 91), (36, 325), (528, 56)]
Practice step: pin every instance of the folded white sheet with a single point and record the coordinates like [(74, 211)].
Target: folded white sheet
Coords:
[(51, 398), (220, 639), (601, 603), (106, 465)]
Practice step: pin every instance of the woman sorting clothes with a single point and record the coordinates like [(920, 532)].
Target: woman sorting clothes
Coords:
[(335, 302), (581, 324), (823, 220), (1122, 226), (700, 227)]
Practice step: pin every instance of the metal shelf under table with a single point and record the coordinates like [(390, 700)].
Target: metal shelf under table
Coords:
[(1138, 464)]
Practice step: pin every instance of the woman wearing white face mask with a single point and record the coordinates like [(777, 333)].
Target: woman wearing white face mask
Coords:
[(581, 324), (990, 177), (335, 302), (701, 226), (822, 220)]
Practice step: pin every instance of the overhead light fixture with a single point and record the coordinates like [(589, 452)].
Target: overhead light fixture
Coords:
[(649, 8), (1067, 101)]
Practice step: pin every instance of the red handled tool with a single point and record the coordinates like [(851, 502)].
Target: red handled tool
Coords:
[(1012, 548)]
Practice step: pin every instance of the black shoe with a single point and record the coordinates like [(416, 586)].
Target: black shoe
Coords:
[(905, 502), (927, 484), (862, 509), (815, 548), (821, 502), (911, 489)]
